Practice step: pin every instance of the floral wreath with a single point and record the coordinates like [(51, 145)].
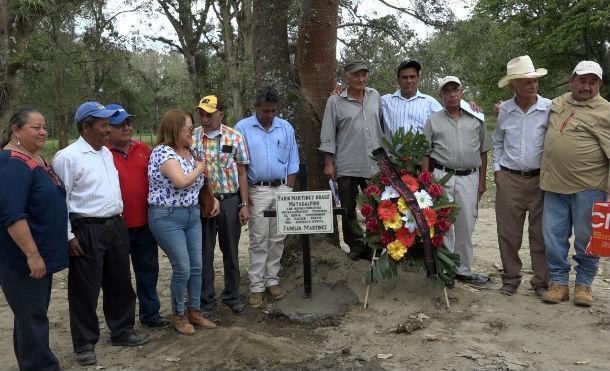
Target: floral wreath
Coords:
[(391, 227)]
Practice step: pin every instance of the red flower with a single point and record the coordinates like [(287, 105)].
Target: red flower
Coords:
[(386, 209), (386, 238), (437, 240), (366, 210), (443, 225), (444, 212), (404, 172), (385, 180), (425, 177), (436, 190), (372, 224), (372, 191), (407, 238), (430, 215), (410, 182)]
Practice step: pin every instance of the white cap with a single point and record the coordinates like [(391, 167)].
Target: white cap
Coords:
[(446, 80), (586, 67)]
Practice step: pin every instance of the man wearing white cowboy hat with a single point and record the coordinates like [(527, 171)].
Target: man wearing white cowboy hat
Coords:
[(517, 154), (574, 175)]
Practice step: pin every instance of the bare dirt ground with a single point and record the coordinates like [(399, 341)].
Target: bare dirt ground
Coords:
[(482, 330)]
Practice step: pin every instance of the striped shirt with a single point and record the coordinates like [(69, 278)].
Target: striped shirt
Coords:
[(222, 154), (408, 113)]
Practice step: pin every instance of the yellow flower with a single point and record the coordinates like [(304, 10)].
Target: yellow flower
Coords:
[(396, 250), (402, 205), (393, 222)]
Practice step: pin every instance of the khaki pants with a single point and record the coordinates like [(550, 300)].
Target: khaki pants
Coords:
[(516, 195), (266, 245), (465, 191)]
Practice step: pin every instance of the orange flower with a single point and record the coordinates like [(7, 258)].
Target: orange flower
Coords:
[(410, 182), (407, 238), (386, 209), (430, 215)]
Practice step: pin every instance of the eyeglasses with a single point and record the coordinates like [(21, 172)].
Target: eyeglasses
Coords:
[(124, 125), (189, 129)]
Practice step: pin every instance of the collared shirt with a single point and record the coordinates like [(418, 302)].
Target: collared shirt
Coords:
[(91, 180), (222, 153), (352, 131), (273, 153), (457, 144), (32, 192), (407, 113), (133, 178), (161, 190), (576, 146), (519, 136)]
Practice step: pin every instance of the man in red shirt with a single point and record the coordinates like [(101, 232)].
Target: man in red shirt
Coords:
[(131, 160)]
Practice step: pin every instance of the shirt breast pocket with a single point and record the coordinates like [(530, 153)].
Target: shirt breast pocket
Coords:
[(283, 152)]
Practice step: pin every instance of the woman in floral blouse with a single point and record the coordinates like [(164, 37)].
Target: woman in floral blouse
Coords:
[(175, 178)]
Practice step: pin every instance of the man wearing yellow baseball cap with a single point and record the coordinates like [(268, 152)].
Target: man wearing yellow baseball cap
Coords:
[(224, 151)]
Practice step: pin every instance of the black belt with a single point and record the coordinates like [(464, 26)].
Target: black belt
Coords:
[(224, 196), (270, 183), (458, 172), (530, 173), (110, 220)]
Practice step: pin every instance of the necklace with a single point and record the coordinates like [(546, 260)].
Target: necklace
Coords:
[(20, 148)]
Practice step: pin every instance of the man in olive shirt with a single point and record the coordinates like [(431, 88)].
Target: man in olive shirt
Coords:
[(459, 145), (574, 175), (350, 132)]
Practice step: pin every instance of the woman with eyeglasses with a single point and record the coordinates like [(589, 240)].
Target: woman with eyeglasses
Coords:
[(175, 178), (33, 239)]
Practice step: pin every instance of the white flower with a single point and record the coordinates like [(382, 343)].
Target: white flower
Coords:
[(389, 193), (410, 222), (423, 199)]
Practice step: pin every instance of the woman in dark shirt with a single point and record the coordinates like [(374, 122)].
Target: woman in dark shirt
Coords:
[(33, 239)]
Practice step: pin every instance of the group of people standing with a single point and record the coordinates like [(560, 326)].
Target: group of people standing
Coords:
[(550, 162), (120, 199)]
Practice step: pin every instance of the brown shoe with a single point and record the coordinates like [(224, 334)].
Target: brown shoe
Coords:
[(556, 294), (583, 296), (256, 299), (276, 292), (195, 317), (181, 324)]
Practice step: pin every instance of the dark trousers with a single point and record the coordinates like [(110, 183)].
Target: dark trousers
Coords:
[(105, 265), (145, 262), (29, 300), (348, 194), (226, 225)]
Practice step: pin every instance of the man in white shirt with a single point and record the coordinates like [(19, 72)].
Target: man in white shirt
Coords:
[(97, 237), (407, 107), (517, 153)]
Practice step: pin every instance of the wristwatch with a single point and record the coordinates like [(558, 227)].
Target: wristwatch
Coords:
[(244, 204)]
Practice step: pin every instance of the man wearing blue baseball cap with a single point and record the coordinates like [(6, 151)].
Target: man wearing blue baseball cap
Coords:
[(97, 237), (131, 161)]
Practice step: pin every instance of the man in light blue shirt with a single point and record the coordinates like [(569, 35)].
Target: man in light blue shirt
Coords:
[(407, 107), (517, 153), (274, 164)]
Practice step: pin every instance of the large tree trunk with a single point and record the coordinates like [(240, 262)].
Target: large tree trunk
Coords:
[(231, 56)]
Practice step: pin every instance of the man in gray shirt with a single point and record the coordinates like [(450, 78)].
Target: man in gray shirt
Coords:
[(351, 131), (459, 145)]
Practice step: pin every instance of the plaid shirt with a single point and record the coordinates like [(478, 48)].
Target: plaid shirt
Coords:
[(221, 155)]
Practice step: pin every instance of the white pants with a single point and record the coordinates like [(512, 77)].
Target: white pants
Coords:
[(465, 191), (266, 245)]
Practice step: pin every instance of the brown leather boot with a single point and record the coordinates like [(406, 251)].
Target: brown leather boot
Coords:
[(181, 324), (276, 292), (556, 294), (583, 296), (195, 317)]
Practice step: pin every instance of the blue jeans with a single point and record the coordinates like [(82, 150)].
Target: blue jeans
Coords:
[(562, 213), (178, 232), (145, 261)]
